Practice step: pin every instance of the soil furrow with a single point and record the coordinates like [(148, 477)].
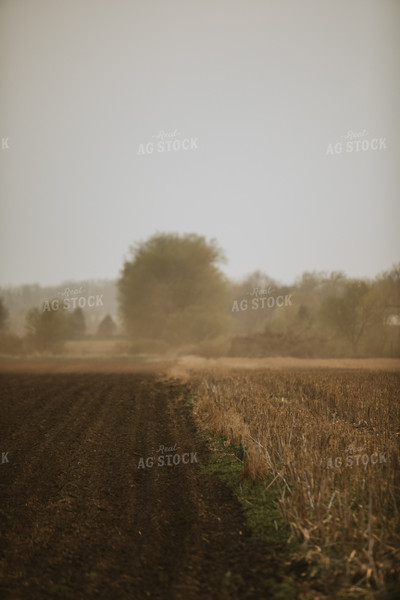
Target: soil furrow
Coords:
[(81, 520)]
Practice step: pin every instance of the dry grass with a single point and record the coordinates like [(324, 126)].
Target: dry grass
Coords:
[(291, 424), (194, 363)]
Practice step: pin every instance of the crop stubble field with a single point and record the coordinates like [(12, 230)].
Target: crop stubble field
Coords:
[(80, 520), (329, 442)]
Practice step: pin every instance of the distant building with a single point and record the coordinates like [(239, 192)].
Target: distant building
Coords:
[(391, 322)]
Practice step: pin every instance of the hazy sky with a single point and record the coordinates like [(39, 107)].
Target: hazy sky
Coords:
[(262, 88)]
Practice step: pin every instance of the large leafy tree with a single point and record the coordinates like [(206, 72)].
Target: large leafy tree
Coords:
[(172, 290)]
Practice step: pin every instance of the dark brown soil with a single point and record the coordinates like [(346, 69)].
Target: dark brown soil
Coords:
[(78, 519)]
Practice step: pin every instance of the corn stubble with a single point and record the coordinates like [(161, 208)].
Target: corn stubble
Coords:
[(290, 424)]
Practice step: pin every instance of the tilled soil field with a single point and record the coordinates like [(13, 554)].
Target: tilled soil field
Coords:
[(80, 520)]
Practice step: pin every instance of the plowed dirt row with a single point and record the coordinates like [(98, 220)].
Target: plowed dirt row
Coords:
[(80, 520)]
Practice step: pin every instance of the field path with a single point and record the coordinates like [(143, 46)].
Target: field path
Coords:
[(78, 519)]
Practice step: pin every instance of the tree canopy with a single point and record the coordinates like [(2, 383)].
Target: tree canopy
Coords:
[(172, 290)]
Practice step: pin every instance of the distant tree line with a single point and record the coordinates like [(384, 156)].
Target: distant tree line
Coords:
[(20, 299), (47, 331), (173, 295), (174, 298), (331, 316)]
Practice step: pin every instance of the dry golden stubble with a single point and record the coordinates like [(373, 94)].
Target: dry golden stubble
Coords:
[(330, 442)]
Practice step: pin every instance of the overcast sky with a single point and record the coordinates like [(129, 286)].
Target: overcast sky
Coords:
[(262, 91)]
